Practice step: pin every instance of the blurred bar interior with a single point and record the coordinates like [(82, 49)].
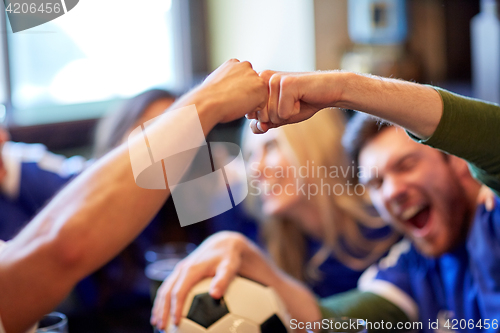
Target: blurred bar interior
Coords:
[(56, 97), (441, 42)]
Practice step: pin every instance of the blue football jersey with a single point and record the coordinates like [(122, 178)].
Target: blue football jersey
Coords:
[(458, 291), (331, 269)]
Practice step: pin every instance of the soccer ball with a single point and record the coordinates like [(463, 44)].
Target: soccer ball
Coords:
[(246, 307)]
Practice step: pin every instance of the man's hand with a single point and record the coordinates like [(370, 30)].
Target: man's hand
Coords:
[(233, 90), (294, 97), (220, 256), (223, 256)]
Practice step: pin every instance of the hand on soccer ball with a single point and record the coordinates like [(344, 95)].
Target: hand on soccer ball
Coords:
[(219, 256)]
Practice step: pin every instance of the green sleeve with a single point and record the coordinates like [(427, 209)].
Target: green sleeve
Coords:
[(470, 129), (363, 305)]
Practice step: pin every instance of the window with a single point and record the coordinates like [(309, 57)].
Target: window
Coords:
[(78, 65)]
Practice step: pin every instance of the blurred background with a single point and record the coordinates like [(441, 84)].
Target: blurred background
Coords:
[(59, 79)]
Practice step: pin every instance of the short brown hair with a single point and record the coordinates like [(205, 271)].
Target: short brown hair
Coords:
[(359, 131)]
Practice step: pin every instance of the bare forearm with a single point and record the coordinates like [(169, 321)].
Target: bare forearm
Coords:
[(416, 107), (60, 247), (86, 225)]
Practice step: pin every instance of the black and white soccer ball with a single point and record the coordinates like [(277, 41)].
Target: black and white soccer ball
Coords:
[(246, 307)]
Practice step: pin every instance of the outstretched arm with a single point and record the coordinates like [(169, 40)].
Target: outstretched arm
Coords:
[(461, 126), (297, 96), (98, 214)]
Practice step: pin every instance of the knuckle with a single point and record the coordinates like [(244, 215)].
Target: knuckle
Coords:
[(287, 80), (238, 238), (231, 237), (226, 234), (237, 243), (247, 64), (189, 270), (267, 73), (275, 79), (226, 266)]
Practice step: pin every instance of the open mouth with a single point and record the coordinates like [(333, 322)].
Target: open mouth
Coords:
[(417, 216)]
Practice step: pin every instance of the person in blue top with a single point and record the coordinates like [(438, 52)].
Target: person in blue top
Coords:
[(447, 273)]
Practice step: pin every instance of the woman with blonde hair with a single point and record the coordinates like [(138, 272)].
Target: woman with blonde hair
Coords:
[(316, 222)]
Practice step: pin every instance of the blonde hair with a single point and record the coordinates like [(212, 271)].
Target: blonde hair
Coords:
[(318, 141)]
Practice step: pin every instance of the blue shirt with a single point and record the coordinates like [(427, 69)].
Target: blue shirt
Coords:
[(335, 276), (463, 284)]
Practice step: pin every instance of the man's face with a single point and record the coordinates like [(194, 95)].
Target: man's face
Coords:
[(415, 188)]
